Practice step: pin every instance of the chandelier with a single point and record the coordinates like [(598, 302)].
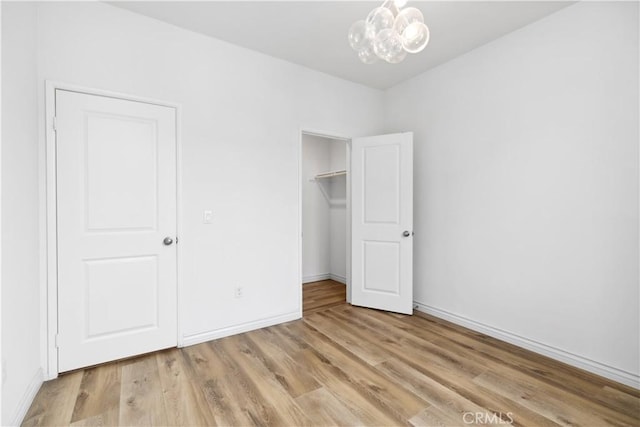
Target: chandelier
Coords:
[(389, 33)]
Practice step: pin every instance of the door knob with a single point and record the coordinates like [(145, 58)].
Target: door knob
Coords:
[(167, 241), (406, 233)]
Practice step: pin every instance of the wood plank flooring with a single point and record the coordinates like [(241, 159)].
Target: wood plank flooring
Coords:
[(322, 295), (339, 365)]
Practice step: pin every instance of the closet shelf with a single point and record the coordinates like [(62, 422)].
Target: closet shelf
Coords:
[(330, 174), (326, 186)]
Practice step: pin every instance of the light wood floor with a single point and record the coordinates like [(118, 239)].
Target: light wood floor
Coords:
[(340, 365), (321, 295)]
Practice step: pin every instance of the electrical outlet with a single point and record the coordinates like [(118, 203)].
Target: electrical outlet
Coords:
[(239, 292)]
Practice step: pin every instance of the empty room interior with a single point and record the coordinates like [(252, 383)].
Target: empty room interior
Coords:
[(288, 213)]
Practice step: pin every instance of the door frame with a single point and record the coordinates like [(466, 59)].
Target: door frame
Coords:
[(347, 139), (48, 199)]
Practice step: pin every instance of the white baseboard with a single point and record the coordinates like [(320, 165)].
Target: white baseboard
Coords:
[(327, 276), (337, 278), (238, 329), (316, 278), (27, 398), (592, 366)]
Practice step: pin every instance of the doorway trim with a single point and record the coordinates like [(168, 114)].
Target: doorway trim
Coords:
[(347, 139), (48, 199)]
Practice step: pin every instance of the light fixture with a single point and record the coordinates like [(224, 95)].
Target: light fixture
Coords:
[(389, 33)]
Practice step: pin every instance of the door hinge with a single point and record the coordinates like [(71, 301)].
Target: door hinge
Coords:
[(176, 240), (54, 121)]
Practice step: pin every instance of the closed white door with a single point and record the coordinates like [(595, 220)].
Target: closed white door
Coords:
[(382, 222), (116, 204)]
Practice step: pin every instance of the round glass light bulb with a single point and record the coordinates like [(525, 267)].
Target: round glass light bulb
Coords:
[(407, 17), (367, 55), (393, 8), (415, 37), (397, 57), (380, 19), (387, 44), (359, 34)]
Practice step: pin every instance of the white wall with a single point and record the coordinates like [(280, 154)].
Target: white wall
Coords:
[(526, 186), (316, 222), (20, 231), (241, 117)]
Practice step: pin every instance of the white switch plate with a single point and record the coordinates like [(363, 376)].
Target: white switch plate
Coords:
[(207, 217)]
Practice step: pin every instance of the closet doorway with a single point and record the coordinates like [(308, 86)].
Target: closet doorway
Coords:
[(325, 212)]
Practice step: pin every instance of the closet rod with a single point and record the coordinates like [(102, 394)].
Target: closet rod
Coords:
[(330, 174)]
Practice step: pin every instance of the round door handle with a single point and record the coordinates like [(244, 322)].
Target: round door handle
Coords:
[(167, 241), (406, 233)]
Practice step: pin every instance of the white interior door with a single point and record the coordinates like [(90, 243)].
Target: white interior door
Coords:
[(116, 203), (382, 222)]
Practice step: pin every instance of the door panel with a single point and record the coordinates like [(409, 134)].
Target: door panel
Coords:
[(116, 188), (106, 280), (381, 184), (382, 210), (114, 201), (381, 267)]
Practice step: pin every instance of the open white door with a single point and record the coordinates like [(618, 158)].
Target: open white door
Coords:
[(116, 204), (382, 222)]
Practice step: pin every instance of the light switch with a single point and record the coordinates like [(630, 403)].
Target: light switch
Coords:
[(207, 216)]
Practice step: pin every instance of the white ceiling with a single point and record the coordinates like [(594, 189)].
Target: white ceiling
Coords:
[(313, 33)]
